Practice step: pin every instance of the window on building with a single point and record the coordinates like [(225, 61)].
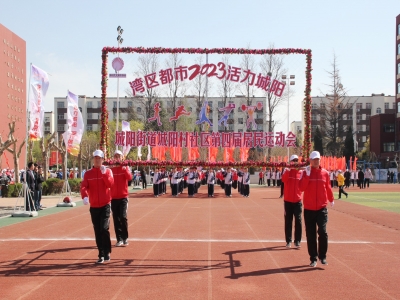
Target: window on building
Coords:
[(398, 49), (210, 104), (220, 104), (359, 128), (344, 128), (47, 128), (368, 105), (359, 117), (398, 29), (388, 147), (367, 116), (359, 105), (340, 106), (398, 107), (130, 104), (298, 128), (60, 104), (89, 116), (240, 120), (398, 68), (89, 104), (388, 127), (322, 105), (47, 119), (240, 130), (259, 127), (80, 109), (394, 105), (169, 104), (60, 127), (259, 115), (230, 126), (398, 88), (313, 117), (61, 116), (378, 110), (138, 109), (349, 116), (114, 116), (114, 104), (221, 127), (99, 104), (313, 128), (367, 128), (89, 127), (386, 105), (314, 106)]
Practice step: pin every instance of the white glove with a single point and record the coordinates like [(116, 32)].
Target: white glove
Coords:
[(332, 203), (103, 169), (123, 168), (86, 201), (308, 170)]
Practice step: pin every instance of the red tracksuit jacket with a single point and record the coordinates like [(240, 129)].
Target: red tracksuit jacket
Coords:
[(291, 191), (97, 187), (121, 177), (317, 189)]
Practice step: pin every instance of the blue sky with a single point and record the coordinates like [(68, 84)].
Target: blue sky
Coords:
[(65, 38)]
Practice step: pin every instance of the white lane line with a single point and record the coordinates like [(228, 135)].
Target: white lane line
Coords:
[(177, 240), (396, 203)]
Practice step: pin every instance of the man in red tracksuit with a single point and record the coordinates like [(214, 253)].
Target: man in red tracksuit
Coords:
[(119, 202), (292, 204), (315, 183), (95, 188)]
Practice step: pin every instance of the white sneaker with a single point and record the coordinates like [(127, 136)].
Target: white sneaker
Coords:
[(119, 244)]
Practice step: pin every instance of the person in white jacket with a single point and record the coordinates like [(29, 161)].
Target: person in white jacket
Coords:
[(246, 183)]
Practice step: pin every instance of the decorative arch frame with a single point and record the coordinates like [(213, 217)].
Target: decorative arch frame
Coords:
[(104, 141)]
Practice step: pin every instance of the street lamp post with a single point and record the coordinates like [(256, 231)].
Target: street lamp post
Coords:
[(120, 40), (289, 81)]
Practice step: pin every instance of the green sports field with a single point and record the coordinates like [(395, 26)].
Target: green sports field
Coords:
[(389, 201)]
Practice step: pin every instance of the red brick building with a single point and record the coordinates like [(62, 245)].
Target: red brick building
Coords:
[(12, 91), (382, 137)]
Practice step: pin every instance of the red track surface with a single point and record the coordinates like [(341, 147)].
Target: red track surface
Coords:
[(202, 248)]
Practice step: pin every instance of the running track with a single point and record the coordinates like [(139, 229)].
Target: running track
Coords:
[(202, 248)]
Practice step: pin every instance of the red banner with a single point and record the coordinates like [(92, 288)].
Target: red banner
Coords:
[(53, 158)]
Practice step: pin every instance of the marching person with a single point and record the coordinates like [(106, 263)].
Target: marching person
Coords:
[(240, 181), (292, 204), (39, 187), (156, 189), (268, 177), (353, 177), (228, 182), (341, 183), (174, 182), (361, 179), (260, 177), (347, 176), (246, 183), (273, 177), (30, 182), (315, 183), (211, 182), (119, 202), (95, 189), (191, 180), (368, 177)]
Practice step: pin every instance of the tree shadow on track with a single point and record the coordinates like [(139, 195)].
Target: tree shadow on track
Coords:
[(236, 263), (44, 263)]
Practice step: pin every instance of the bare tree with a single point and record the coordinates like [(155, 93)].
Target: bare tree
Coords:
[(15, 150), (148, 64), (7, 143), (247, 88), (336, 105), (273, 66), (61, 148), (226, 88), (176, 87), (45, 146)]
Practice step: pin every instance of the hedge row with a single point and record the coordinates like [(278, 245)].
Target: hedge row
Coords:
[(49, 187)]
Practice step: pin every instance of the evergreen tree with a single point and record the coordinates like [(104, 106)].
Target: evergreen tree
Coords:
[(318, 141), (348, 150)]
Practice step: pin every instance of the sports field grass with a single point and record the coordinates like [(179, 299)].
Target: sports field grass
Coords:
[(389, 201)]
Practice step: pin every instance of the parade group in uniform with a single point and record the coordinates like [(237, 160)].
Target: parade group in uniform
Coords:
[(106, 190)]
